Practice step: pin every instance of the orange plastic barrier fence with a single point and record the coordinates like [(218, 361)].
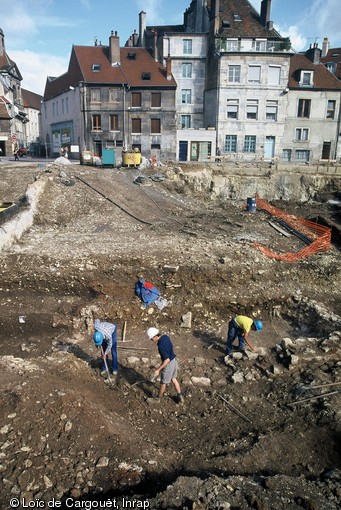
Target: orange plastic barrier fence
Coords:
[(320, 235)]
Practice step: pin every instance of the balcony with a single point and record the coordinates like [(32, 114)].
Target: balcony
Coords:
[(252, 45)]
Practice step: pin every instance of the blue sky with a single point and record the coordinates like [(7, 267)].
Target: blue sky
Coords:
[(39, 34)]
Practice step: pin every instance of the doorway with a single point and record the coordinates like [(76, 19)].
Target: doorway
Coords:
[(326, 150), (269, 147), (183, 151)]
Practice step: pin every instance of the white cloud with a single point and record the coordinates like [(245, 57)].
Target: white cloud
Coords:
[(298, 41), (325, 17), (33, 69)]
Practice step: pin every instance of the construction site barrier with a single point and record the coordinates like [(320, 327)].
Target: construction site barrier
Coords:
[(316, 236)]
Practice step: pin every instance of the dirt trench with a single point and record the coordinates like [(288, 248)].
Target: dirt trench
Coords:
[(241, 439)]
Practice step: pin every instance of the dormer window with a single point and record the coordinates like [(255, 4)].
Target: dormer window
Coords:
[(132, 56), (96, 68), (306, 79), (237, 17), (146, 76)]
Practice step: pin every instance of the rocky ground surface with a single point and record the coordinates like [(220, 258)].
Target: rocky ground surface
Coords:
[(254, 433)]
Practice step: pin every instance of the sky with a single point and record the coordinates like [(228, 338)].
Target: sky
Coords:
[(39, 34)]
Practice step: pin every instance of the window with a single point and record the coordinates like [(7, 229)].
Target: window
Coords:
[(234, 74), (232, 108), (252, 109), (96, 123), (95, 95), (231, 45), (250, 143), (302, 155), (113, 122), (259, 45), (96, 68), (185, 121), (136, 99), (286, 155), (331, 66), (146, 76), (231, 143), (254, 74), (136, 125), (63, 106), (67, 105), (155, 126), (306, 79), (304, 108), (156, 100), (302, 134), (187, 46), (186, 96), (271, 110), (113, 95), (331, 109), (274, 75), (187, 70)]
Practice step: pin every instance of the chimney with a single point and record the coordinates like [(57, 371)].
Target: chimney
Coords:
[(265, 10), (325, 47), (155, 48), (2, 43), (169, 68), (314, 54), (114, 48), (142, 29), (214, 15), (135, 39)]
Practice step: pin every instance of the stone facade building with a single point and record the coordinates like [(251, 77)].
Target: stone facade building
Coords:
[(111, 97), (12, 115)]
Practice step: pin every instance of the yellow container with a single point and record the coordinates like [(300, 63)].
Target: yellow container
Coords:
[(131, 158)]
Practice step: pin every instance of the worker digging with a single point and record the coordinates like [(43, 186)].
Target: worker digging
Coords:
[(109, 344), (169, 364), (240, 327)]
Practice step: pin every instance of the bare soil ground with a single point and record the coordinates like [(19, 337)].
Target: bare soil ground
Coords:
[(241, 440)]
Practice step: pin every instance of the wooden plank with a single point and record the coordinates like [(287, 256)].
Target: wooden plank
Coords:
[(279, 229)]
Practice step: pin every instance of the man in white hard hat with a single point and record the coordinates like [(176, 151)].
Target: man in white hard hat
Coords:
[(169, 364)]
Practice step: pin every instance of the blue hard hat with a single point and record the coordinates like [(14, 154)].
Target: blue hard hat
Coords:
[(98, 338), (258, 325)]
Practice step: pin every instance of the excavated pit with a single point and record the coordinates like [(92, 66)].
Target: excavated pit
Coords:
[(242, 438)]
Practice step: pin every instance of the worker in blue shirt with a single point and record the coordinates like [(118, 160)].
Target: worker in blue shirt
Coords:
[(169, 364), (109, 332)]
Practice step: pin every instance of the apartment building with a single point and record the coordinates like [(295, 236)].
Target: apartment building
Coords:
[(312, 125), (32, 106), (12, 115), (111, 97), (184, 48)]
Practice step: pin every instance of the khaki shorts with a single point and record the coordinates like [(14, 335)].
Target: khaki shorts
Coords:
[(169, 372)]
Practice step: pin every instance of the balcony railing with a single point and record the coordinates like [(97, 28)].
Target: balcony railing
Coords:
[(248, 45)]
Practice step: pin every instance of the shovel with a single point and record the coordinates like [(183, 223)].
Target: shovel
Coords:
[(106, 365)]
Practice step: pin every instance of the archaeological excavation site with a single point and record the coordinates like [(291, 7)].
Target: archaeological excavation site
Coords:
[(261, 431)]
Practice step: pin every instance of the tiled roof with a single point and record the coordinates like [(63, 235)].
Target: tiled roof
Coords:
[(31, 99), (334, 55), (165, 29), (323, 79), (3, 110), (249, 24), (134, 62)]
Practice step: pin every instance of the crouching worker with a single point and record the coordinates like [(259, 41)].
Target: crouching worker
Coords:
[(109, 344), (169, 364), (240, 327)]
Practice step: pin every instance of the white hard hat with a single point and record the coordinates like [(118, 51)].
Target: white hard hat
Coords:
[(151, 332)]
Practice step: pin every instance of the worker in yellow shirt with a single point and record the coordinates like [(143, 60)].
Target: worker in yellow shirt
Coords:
[(240, 327)]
